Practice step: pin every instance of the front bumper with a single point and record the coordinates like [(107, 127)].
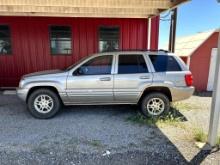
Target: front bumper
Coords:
[(181, 93), (22, 93)]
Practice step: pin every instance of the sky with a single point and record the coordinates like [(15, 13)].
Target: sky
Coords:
[(193, 17)]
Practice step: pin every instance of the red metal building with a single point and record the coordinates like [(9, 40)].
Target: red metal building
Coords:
[(38, 35), (30, 39), (199, 52)]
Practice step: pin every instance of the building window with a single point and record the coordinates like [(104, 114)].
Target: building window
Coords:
[(5, 40), (60, 40), (130, 64), (108, 39)]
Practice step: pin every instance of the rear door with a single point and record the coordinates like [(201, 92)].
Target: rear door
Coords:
[(131, 78)]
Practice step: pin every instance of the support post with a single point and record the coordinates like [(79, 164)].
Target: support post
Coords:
[(172, 38), (171, 32), (215, 111), (174, 29), (149, 34)]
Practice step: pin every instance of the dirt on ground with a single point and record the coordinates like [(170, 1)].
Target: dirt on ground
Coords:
[(196, 114), (102, 135)]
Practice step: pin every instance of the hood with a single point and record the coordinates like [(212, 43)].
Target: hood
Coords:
[(42, 73)]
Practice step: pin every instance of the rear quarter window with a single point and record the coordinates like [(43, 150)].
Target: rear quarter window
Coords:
[(164, 63)]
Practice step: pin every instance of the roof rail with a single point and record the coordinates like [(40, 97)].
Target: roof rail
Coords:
[(162, 50), (150, 50)]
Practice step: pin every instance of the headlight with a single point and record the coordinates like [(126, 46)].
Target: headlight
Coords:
[(21, 83)]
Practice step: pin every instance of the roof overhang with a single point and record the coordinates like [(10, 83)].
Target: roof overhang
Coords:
[(87, 8)]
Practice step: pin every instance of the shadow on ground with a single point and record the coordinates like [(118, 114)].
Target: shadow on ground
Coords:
[(203, 94)]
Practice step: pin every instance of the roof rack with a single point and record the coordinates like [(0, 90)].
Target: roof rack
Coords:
[(150, 50)]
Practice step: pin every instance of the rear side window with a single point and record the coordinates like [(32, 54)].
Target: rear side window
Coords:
[(129, 64), (163, 63)]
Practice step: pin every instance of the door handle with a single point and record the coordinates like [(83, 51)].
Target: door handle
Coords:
[(105, 79), (144, 77)]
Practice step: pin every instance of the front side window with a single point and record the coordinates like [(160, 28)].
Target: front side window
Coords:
[(108, 39), (129, 64), (164, 63), (60, 40), (97, 66), (5, 40)]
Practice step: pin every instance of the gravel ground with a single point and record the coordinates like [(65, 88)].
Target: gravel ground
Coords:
[(196, 111), (98, 135)]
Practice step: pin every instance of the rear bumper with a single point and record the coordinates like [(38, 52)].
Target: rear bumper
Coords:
[(181, 93), (22, 93)]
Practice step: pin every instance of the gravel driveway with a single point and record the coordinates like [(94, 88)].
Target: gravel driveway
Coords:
[(87, 135)]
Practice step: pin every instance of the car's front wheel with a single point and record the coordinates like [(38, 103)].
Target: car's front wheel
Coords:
[(155, 104), (43, 103)]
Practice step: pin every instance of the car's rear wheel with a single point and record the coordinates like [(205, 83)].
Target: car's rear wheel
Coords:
[(43, 103), (155, 105)]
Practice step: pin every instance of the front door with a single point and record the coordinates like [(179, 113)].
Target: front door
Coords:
[(92, 82)]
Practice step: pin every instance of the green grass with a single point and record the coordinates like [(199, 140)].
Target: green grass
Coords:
[(199, 135), (218, 141), (141, 120), (174, 117), (95, 143), (169, 119)]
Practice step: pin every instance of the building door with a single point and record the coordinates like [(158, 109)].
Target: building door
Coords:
[(212, 70)]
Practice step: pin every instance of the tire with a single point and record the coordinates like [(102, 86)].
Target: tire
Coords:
[(43, 104), (160, 108)]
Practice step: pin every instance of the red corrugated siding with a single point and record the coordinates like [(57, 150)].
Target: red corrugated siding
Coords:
[(200, 62), (184, 59), (154, 32), (31, 48)]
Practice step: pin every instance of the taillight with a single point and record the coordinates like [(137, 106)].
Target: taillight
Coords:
[(189, 79)]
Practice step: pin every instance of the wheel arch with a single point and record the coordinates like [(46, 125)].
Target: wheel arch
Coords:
[(52, 88), (160, 89)]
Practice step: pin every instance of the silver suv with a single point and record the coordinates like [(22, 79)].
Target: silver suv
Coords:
[(151, 79)]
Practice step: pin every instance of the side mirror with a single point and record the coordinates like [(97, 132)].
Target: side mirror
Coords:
[(78, 72)]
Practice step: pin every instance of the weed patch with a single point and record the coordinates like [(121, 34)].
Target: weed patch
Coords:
[(199, 135), (218, 142), (169, 119), (95, 143)]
